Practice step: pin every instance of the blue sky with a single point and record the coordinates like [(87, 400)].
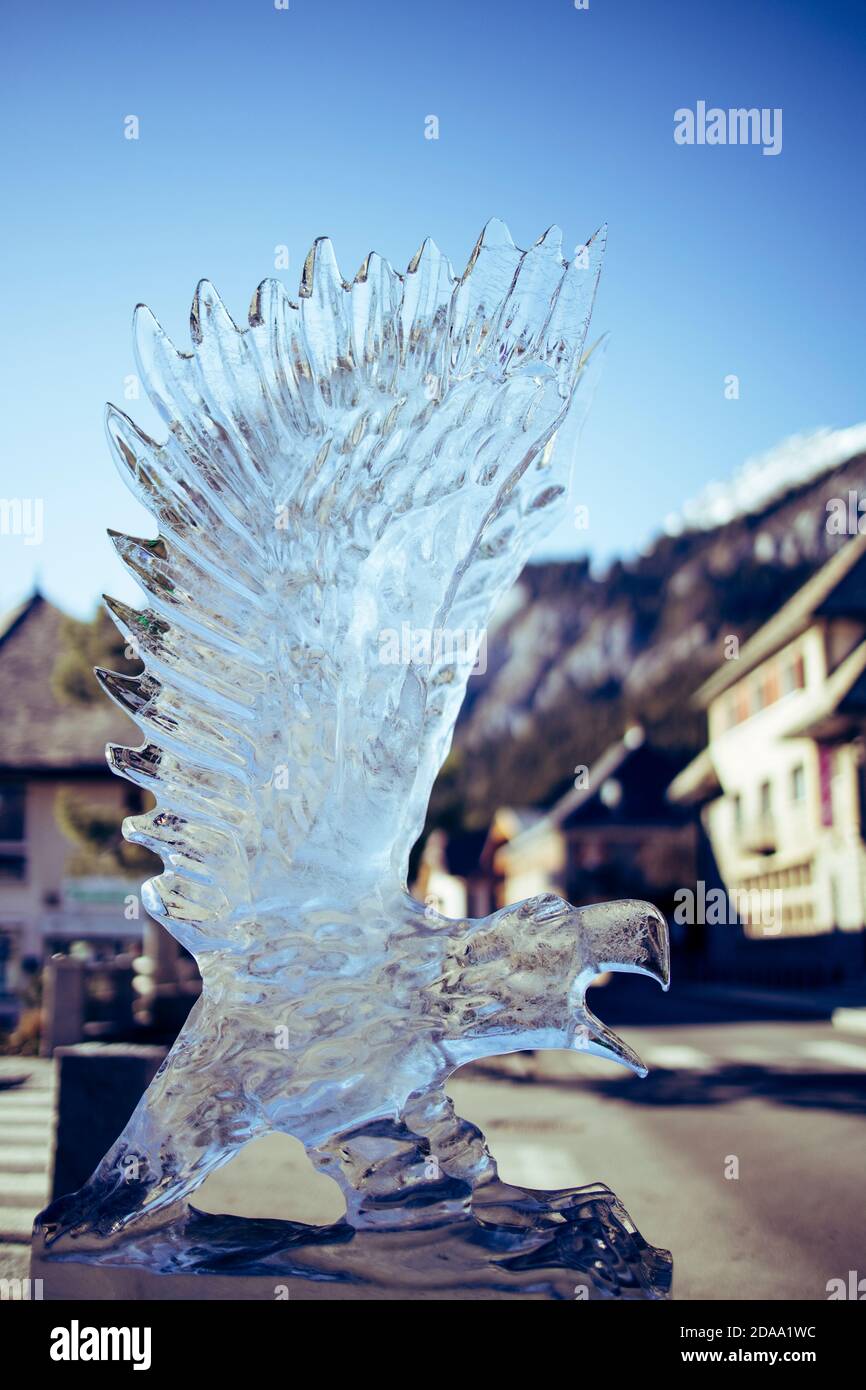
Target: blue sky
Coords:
[(261, 127)]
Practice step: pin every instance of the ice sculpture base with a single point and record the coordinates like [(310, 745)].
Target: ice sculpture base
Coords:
[(574, 1244)]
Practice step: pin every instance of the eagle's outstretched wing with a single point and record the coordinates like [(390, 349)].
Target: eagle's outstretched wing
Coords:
[(347, 488)]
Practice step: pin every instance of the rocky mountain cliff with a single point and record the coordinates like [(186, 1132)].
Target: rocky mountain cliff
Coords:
[(576, 658)]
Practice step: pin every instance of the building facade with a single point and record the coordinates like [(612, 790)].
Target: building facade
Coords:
[(613, 835), (53, 753), (779, 787)]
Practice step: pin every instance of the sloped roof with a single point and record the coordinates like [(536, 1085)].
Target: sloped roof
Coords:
[(837, 590), (698, 781), (39, 733), (842, 698), (568, 807)]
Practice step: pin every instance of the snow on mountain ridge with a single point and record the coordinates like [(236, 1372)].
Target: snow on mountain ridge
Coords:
[(760, 480)]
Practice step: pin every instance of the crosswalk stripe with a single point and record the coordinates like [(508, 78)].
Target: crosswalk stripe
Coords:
[(849, 1020), (676, 1057), (16, 1223), (680, 1057), (15, 1187), (24, 1158), (842, 1054), (29, 1133), (19, 1118)]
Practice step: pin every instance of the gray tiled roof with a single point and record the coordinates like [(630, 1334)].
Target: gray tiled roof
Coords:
[(38, 732)]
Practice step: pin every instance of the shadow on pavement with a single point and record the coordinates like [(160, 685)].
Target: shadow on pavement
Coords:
[(721, 1084), (730, 1082)]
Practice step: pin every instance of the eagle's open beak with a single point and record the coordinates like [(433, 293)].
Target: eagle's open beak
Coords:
[(629, 936)]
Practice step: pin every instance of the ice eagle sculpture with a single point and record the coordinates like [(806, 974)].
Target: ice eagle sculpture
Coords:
[(377, 456)]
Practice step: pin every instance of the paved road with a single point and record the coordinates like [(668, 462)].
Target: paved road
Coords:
[(785, 1099)]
